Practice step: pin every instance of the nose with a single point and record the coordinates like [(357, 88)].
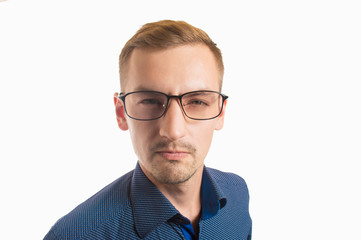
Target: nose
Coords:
[(173, 123)]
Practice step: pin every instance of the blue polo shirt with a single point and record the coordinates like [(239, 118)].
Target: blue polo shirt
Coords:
[(133, 208)]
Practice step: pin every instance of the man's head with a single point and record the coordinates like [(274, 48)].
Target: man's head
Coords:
[(171, 146)]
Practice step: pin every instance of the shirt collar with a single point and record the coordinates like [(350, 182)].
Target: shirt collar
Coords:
[(213, 198), (151, 208)]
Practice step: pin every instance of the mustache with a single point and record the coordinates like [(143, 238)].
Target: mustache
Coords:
[(173, 145)]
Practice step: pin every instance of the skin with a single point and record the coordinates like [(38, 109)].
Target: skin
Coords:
[(171, 150)]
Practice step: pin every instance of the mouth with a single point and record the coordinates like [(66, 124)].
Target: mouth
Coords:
[(173, 155)]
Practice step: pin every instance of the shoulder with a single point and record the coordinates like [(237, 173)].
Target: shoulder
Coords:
[(232, 185), (226, 178), (108, 204)]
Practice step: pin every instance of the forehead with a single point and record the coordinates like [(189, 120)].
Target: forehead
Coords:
[(175, 70)]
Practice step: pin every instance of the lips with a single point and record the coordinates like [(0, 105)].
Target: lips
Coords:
[(173, 155)]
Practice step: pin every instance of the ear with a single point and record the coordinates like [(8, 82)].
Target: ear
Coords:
[(220, 119), (120, 113)]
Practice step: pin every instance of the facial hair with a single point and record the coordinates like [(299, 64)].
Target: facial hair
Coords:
[(172, 172)]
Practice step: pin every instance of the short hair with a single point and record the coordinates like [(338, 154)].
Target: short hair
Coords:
[(167, 34)]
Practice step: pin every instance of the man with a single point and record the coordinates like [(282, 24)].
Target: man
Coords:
[(171, 77)]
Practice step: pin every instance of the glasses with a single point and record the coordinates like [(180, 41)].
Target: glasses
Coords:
[(151, 105)]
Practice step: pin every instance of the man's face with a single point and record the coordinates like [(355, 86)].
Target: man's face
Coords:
[(172, 148)]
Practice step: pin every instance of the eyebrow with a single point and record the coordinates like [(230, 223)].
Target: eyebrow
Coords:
[(152, 90), (143, 89), (198, 92)]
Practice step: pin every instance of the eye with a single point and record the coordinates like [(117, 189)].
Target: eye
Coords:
[(196, 102), (150, 101)]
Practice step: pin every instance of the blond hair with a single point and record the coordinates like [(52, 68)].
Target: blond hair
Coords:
[(166, 34)]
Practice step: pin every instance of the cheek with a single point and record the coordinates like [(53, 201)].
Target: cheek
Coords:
[(203, 135), (141, 134)]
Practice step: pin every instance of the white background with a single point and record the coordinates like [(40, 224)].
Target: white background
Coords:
[(293, 72)]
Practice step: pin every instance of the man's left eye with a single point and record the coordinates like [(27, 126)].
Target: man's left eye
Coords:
[(196, 102)]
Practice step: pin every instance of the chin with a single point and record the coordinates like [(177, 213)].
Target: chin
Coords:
[(174, 174)]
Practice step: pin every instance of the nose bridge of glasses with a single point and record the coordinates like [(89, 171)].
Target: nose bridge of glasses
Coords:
[(178, 99)]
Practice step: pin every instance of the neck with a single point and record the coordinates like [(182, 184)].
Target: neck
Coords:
[(185, 197)]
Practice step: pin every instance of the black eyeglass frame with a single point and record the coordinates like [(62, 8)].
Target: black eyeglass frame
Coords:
[(122, 97)]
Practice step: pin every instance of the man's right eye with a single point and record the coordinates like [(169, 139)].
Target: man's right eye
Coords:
[(150, 102)]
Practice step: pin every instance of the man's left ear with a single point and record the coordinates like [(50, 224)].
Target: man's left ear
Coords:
[(220, 119)]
